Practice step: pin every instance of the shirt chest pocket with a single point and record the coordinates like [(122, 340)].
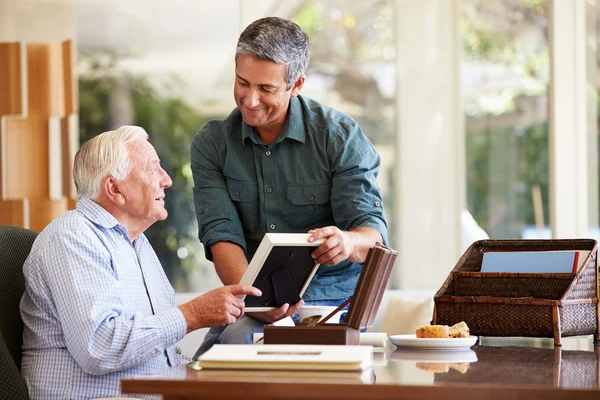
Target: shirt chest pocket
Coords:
[(310, 205), (245, 198)]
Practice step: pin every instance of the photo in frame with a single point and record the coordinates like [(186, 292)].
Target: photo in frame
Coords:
[(282, 269)]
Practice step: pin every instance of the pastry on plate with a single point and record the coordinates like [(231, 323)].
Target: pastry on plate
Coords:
[(460, 330), (433, 331)]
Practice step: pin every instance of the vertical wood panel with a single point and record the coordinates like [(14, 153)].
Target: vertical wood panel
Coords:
[(41, 94), (71, 203), (69, 79), (10, 79), (43, 211), (27, 158), (46, 83), (14, 212)]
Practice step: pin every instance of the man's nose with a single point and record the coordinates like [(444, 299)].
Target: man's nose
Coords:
[(166, 179), (252, 99)]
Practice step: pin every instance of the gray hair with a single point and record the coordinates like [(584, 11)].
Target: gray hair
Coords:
[(277, 40), (104, 155)]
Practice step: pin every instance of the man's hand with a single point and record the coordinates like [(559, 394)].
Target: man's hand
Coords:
[(343, 245), (271, 316), (338, 246), (218, 307)]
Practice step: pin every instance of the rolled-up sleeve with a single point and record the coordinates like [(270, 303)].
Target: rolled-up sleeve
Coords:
[(218, 220), (355, 195)]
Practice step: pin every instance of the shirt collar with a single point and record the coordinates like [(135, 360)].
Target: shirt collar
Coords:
[(247, 132), (96, 213), (99, 216), (292, 129)]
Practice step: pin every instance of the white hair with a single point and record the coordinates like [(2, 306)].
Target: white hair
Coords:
[(102, 156)]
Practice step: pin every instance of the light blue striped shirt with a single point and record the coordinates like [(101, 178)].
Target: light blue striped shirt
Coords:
[(96, 308)]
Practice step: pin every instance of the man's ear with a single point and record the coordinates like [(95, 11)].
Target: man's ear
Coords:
[(298, 86), (111, 190)]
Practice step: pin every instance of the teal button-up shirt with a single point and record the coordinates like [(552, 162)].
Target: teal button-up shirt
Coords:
[(321, 170)]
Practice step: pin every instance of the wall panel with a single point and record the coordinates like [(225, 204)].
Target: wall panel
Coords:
[(38, 132)]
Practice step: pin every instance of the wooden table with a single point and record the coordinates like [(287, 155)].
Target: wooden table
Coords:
[(505, 369)]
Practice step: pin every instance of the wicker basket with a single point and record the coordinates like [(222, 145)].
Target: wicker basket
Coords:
[(521, 304)]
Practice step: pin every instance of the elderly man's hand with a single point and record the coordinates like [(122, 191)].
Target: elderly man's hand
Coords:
[(218, 307), (276, 314)]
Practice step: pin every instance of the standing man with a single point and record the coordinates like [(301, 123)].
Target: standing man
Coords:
[(97, 304), (281, 162)]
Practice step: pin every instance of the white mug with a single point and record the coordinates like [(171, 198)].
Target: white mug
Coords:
[(323, 311)]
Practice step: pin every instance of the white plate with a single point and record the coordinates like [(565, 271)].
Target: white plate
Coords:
[(414, 342)]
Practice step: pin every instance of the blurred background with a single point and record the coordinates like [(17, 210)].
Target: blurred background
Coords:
[(484, 112)]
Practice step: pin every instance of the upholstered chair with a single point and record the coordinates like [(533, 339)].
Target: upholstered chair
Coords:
[(15, 245)]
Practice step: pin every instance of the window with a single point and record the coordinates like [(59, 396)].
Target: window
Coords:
[(505, 73), (353, 69), (168, 67), (160, 65)]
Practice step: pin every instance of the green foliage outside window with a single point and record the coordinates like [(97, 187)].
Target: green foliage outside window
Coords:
[(503, 163), (105, 93), (506, 150)]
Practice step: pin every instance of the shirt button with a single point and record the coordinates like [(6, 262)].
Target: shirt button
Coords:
[(377, 204), (237, 194), (268, 153), (269, 190), (174, 341), (311, 197), (272, 226)]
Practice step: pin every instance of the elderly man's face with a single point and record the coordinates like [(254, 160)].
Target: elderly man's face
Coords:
[(144, 187), (261, 93)]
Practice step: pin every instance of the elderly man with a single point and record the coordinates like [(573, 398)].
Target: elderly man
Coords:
[(281, 162), (97, 303)]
